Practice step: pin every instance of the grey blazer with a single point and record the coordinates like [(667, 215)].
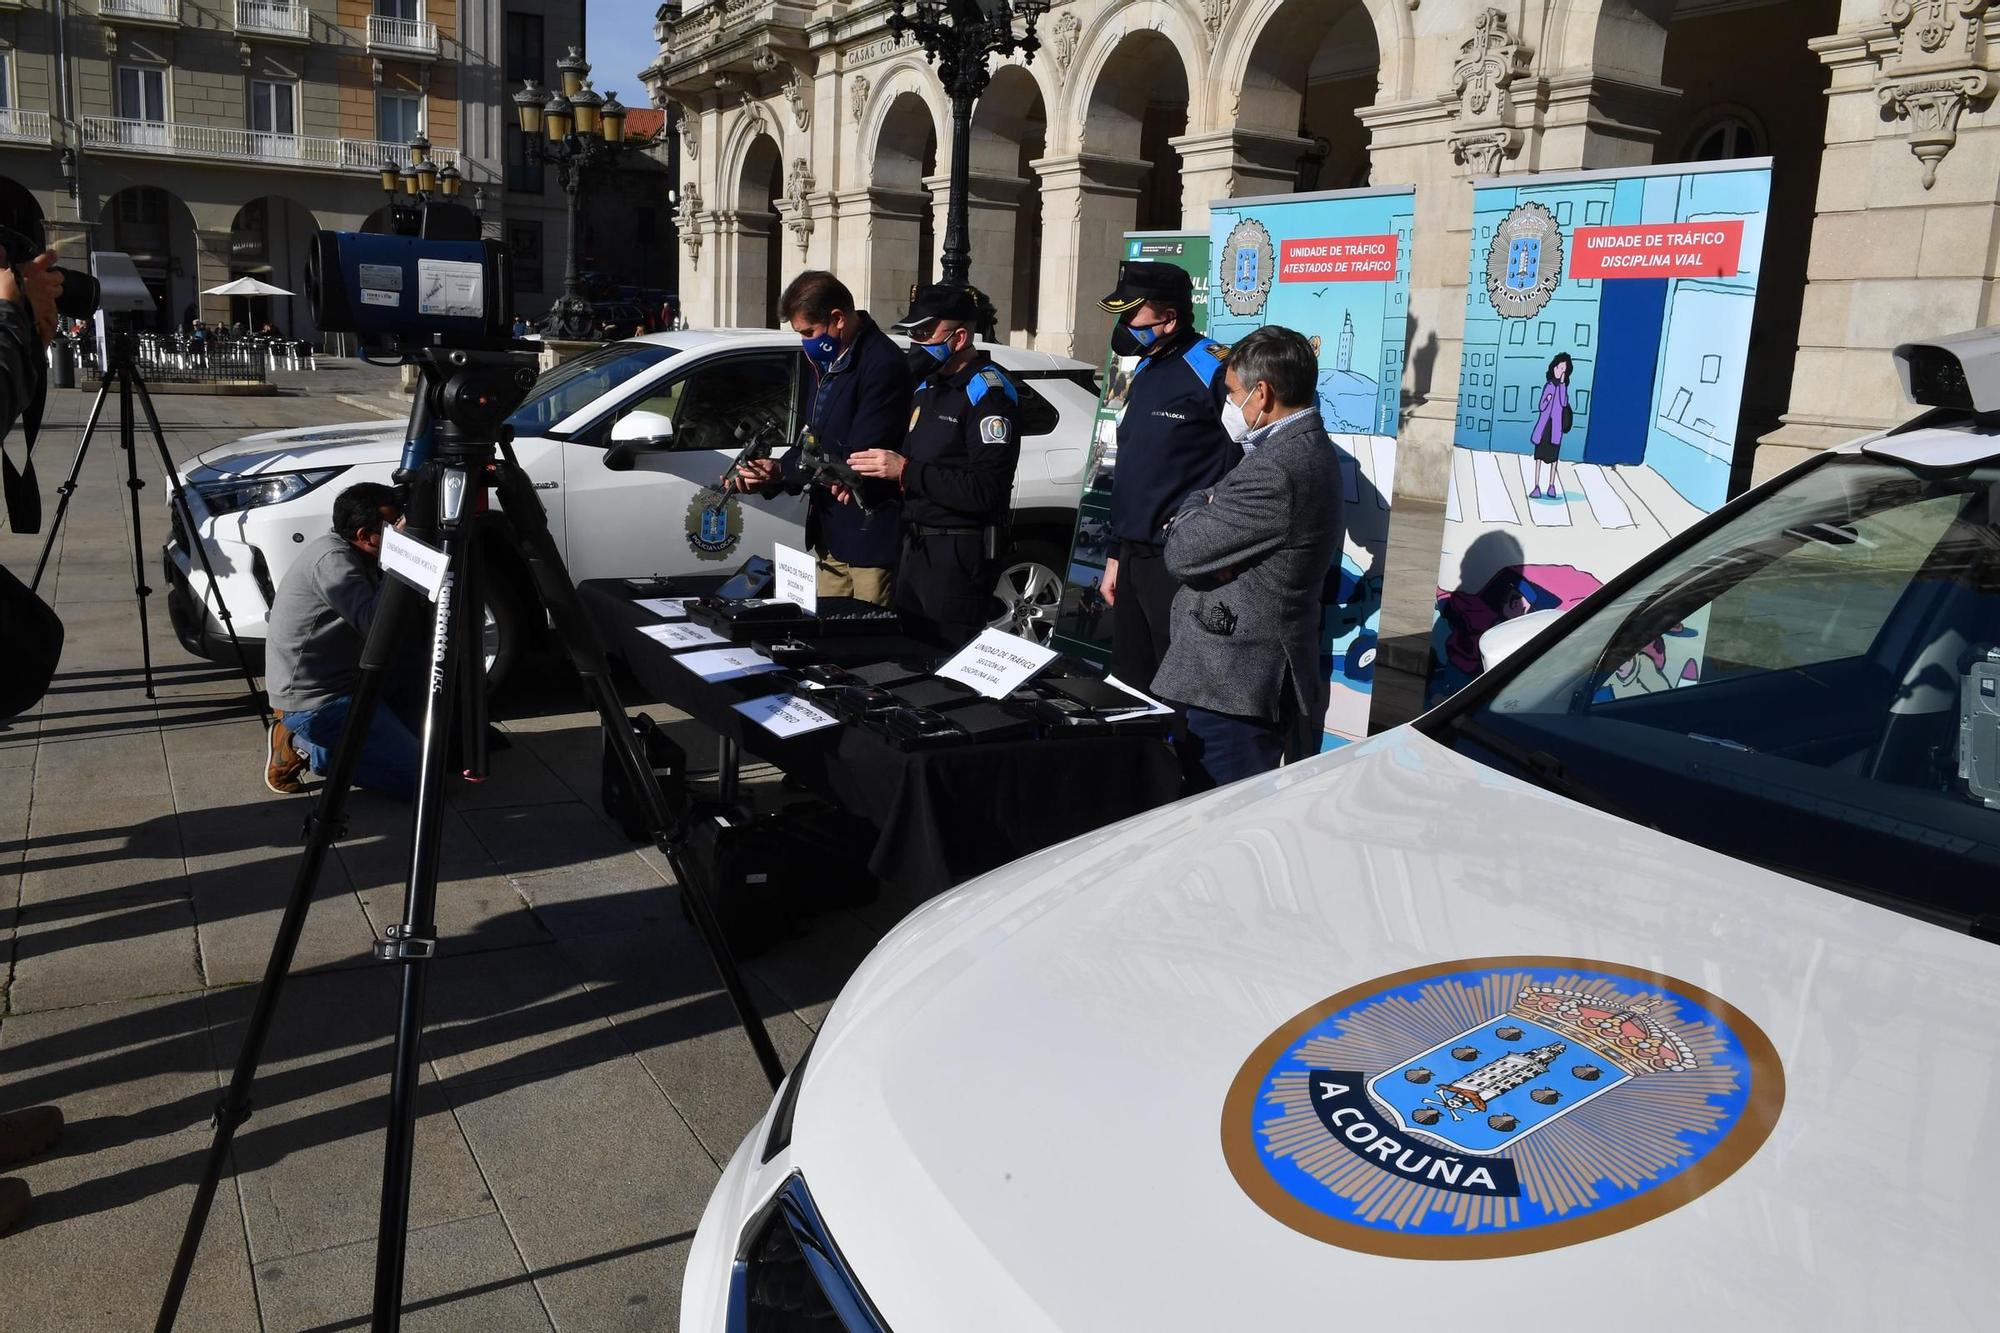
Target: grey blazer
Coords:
[(1252, 554)]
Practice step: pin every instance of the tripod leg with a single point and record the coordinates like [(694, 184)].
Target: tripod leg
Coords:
[(586, 651), (178, 496), (472, 664), (68, 488), (416, 940), (323, 825), (127, 440)]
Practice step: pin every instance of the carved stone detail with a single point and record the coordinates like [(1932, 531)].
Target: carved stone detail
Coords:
[(691, 132), (1482, 80), (1067, 33), (764, 61), (796, 94), (1213, 12), (857, 97), (753, 111), (687, 219), (1939, 69), (798, 184)]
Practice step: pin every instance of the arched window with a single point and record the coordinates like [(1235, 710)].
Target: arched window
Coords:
[(1724, 138)]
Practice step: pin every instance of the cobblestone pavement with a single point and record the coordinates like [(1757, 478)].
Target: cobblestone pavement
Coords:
[(583, 1078)]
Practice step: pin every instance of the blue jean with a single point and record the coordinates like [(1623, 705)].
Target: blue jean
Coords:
[(389, 753), (1221, 748)]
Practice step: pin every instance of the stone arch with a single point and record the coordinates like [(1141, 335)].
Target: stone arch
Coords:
[(1010, 131), (902, 240), (904, 78), (753, 252), (1102, 38), (1139, 101), (1621, 39), (1305, 70), (1249, 24), (20, 210), (268, 239), (156, 227)]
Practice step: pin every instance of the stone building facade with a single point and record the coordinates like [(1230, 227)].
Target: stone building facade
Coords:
[(810, 137), (211, 138)]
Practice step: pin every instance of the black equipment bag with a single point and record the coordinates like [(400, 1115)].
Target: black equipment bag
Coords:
[(33, 639), (668, 761), (767, 878)]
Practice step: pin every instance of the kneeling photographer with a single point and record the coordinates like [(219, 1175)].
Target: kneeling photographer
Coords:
[(319, 621)]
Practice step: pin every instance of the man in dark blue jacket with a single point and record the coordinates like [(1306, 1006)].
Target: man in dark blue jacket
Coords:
[(861, 402), (1171, 443)]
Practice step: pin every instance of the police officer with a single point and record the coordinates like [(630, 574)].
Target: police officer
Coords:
[(1171, 443), (956, 469)]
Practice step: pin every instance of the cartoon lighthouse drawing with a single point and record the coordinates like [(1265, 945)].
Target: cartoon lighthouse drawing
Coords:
[(1479, 1089), (1345, 359)]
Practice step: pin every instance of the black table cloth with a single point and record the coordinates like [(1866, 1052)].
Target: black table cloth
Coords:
[(943, 814)]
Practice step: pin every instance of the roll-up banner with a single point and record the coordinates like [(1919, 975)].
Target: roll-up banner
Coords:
[(1607, 320), (1083, 623), (1335, 267)]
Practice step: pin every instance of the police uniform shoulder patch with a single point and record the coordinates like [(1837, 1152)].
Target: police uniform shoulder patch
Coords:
[(987, 380), (1205, 359), (1499, 1106), (995, 430)]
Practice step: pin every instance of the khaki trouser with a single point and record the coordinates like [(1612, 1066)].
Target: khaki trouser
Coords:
[(837, 578)]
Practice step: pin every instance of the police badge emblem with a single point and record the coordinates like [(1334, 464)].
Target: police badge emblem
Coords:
[(714, 525), (1524, 263), (1247, 265), (1498, 1106)]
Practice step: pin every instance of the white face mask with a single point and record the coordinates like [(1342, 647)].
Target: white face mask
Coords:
[(1235, 422)]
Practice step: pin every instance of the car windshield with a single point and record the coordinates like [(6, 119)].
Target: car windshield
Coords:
[(576, 384), (1813, 685)]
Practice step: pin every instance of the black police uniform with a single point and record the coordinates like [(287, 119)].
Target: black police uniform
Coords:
[(958, 488), (1171, 443)]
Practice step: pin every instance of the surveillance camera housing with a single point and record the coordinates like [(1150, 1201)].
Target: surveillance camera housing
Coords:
[(123, 291), (1960, 371)]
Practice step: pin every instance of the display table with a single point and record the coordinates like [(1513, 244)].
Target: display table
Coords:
[(943, 814)]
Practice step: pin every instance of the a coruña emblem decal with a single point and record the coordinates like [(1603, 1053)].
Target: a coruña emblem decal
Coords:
[(1525, 261), (1498, 1106), (714, 524), (1248, 264)]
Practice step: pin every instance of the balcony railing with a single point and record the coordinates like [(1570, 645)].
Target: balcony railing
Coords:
[(166, 138), (402, 36), (274, 18), (152, 11), (18, 126)]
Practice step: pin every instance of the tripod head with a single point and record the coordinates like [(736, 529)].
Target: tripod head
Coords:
[(468, 389)]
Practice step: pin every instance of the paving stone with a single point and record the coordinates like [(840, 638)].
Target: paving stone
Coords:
[(131, 764), (513, 1013), (661, 991), (87, 853), (636, 1291), (560, 1152), (136, 1084), (309, 1162), (84, 957), (238, 904), (459, 1277)]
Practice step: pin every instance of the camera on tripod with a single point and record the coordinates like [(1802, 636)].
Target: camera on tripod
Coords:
[(79, 299)]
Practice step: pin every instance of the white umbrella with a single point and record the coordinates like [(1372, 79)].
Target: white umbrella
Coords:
[(246, 287)]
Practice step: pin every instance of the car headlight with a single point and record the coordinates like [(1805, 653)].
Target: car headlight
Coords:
[(237, 493)]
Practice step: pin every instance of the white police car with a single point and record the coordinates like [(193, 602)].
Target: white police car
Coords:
[(1568, 1005), (622, 499)]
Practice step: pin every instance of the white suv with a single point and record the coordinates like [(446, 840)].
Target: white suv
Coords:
[(258, 500)]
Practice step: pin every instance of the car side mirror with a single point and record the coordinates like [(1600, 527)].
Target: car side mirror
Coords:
[(638, 433), (1504, 639)]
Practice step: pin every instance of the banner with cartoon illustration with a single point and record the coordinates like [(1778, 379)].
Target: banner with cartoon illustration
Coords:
[(1083, 621), (1607, 321), (1336, 267)]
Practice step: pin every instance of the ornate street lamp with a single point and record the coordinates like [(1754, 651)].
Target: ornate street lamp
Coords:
[(574, 129), (410, 186), (958, 36)]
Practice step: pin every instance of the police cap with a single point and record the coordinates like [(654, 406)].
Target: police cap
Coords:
[(1149, 280), (937, 302)]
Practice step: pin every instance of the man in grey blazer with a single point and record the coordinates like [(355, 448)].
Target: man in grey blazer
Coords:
[(1252, 554)]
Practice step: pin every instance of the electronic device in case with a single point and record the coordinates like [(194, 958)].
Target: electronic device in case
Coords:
[(885, 675), (922, 728), (930, 692), (861, 703), (1979, 730), (988, 723), (1097, 695), (753, 578)]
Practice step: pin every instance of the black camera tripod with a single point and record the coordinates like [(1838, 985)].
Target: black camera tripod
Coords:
[(455, 428), (122, 370)]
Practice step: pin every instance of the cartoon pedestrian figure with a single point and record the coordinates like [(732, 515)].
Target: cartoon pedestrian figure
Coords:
[(1552, 418)]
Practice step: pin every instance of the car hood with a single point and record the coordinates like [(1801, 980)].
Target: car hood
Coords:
[(378, 441), (1013, 1118)]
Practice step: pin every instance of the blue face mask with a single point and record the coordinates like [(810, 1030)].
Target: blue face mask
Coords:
[(938, 352), (821, 349)]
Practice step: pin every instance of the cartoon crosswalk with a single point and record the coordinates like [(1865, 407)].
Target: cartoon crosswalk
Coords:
[(1605, 498)]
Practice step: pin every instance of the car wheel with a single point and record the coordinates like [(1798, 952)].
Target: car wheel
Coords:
[(503, 638), (1029, 591)]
